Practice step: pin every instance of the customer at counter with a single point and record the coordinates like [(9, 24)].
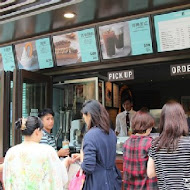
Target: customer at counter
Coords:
[(47, 117), (135, 154), (31, 165), (123, 119), (169, 156), (99, 150)]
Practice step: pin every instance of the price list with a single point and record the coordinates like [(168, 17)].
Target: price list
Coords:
[(44, 53), (173, 31), (7, 58)]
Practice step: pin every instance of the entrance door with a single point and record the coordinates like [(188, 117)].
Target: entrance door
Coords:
[(31, 92), (5, 110)]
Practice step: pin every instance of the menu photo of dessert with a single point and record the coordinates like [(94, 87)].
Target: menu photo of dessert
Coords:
[(26, 55), (67, 48), (115, 40)]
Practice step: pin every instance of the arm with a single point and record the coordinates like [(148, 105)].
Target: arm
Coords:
[(117, 128), (1, 167), (89, 149), (63, 152), (151, 168)]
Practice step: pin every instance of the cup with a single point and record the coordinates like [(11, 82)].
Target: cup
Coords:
[(109, 41), (119, 42), (65, 144)]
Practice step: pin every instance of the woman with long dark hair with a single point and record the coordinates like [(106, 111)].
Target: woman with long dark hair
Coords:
[(99, 149), (169, 156)]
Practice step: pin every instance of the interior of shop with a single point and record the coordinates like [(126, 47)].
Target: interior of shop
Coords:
[(152, 87)]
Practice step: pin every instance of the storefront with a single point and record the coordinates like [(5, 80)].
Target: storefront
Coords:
[(96, 60)]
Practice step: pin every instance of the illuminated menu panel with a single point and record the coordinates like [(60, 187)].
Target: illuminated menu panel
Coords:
[(7, 62), (126, 38), (173, 31), (34, 55), (76, 47)]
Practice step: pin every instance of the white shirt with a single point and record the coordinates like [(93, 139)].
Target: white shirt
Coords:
[(121, 126), (33, 166)]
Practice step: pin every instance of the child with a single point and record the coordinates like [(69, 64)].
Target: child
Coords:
[(135, 155)]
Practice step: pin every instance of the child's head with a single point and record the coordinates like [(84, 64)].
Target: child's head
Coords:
[(142, 122)]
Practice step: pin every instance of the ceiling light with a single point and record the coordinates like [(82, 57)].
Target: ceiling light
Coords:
[(69, 15)]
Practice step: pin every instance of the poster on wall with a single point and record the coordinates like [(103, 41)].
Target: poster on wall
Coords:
[(126, 38), (115, 96), (172, 30), (76, 47), (34, 55), (108, 94), (7, 62)]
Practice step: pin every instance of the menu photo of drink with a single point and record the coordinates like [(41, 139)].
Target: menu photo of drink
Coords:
[(172, 30), (125, 38), (7, 62), (76, 47), (34, 55)]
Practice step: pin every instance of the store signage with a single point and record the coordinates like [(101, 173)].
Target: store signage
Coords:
[(124, 39), (76, 47), (180, 69), (34, 55), (172, 30), (7, 59), (121, 75)]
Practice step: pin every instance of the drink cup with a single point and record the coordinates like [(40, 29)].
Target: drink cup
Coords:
[(65, 144), (109, 41), (119, 42)]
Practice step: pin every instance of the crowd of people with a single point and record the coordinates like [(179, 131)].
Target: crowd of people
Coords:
[(148, 164)]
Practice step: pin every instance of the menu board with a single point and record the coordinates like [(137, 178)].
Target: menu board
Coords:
[(126, 38), (172, 31), (76, 47), (34, 55), (7, 62)]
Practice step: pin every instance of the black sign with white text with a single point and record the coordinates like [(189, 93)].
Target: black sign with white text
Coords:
[(121, 75), (182, 69)]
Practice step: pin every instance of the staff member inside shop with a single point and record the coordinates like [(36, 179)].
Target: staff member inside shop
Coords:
[(47, 117), (123, 119)]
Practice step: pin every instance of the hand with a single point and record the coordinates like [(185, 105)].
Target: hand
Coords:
[(76, 157), (68, 161), (63, 152)]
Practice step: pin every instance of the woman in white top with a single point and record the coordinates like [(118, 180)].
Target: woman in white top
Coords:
[(33, 166)]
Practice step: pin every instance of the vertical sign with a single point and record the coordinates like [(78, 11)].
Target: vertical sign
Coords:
[(44, 53), (140, 36), (87, 43), (7, 58)]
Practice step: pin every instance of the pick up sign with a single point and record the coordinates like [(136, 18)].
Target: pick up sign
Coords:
[(121, 75)]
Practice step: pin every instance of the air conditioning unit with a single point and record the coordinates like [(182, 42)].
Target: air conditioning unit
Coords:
[(16, 9)]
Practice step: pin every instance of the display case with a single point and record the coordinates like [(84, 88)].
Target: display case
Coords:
[(68, 99)]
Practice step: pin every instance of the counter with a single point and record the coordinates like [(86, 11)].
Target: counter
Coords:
[(119, 164)]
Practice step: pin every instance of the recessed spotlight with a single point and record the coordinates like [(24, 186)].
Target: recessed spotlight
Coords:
[(69, 15)]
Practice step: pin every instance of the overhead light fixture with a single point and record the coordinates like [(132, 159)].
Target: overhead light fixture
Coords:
[(69, 15)]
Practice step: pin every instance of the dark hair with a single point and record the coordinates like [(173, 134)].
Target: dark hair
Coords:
[(142, 121), (45, 111), (173, 125), (99, 115), (126, 98), (28, 125)]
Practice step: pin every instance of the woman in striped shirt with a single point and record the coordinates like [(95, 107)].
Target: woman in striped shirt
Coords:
[(169, 156)]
